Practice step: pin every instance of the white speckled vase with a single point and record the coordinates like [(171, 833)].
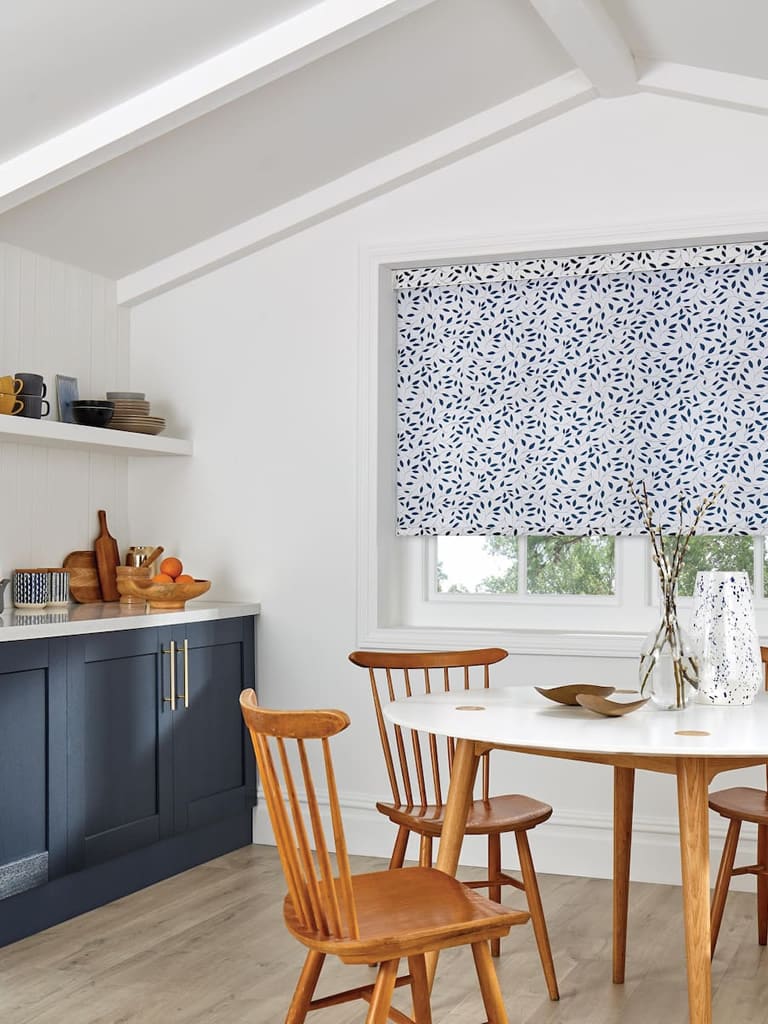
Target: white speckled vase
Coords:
[(723, 628)]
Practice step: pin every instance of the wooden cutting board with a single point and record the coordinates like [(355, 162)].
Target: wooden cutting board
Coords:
[(107, 560), (83, 576)]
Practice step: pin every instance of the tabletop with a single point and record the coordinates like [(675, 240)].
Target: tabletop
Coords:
[(518, 716)]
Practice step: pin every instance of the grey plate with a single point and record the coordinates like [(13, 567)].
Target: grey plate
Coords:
[(135, 396)]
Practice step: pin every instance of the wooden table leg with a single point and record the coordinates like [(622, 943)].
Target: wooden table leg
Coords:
[(465, 762), (623, 803), (692, 784)]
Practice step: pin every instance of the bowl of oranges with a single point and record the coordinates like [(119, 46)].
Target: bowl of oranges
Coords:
[(169, 589)]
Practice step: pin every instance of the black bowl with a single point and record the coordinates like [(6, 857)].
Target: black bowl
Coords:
[(93, 414)]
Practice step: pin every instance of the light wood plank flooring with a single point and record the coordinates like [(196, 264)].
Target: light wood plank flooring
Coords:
[(209, 947)]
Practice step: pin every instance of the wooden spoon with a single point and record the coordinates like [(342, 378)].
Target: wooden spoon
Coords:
[(610, 708), (568, 694), (146, 562)]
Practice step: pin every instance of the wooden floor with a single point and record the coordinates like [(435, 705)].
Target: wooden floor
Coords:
[(209, 946)]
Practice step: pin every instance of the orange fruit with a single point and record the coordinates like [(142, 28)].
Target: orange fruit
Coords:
[(171, 567), (162, 577), (185, 578)]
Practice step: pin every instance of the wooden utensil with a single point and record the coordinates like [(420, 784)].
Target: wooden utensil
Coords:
[(107, 560), (569, 694), (147, 562), (83, 576), (609, 708)]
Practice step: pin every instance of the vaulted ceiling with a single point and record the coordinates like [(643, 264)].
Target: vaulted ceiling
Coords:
[(150, 141)]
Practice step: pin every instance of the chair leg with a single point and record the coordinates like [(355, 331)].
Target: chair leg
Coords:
[(305, 987), (381, 998), (724, 879), (425, 852), (417, 966), (401, 844), (489, 984), (762, 885), (494, 870), (537, 913)]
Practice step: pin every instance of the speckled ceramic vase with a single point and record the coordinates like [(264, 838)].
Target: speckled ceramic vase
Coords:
[(723, 629)]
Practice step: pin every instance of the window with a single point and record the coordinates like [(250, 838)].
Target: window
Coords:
[(549, 595), (526, 565), (575, 566)]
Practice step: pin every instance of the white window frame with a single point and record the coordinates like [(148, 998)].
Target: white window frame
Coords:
[(398, 606)]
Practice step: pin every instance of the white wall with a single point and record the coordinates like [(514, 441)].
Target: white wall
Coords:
[(258, 361), (55, 318)]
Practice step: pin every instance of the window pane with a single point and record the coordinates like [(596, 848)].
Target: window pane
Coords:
[(477, 565), (571, 565), (726, 554)]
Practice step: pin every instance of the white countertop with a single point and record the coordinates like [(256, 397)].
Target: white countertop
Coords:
[(521, 717), (104, 617)]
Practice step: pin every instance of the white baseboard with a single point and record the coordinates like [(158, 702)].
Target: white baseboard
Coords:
[(568, 844)]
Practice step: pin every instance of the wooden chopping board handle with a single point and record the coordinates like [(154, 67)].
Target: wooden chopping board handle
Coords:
[(107, 560)]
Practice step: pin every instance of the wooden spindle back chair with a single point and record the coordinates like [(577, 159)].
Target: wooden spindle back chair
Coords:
[(419, 765), (377, 918), (742, 803)]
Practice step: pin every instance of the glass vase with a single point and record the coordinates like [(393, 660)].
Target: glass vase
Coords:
[(669, 665)]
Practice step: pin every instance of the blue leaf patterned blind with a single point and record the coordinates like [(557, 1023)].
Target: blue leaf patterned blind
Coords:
[(530, 391)]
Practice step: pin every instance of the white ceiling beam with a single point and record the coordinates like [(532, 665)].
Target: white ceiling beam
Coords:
[(263, 58), (721, 88), (511, 117), (593, 40)]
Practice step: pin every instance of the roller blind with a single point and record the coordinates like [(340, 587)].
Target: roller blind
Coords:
[(530, 391)]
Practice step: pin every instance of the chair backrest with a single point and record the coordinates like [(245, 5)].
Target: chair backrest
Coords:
[(284, 743), (419, 765)]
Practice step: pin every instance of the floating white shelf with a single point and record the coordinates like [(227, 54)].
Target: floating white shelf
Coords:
[(101, 440)]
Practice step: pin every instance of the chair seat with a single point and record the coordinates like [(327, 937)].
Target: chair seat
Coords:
[(410, 912), (741, 802), (509, 813)]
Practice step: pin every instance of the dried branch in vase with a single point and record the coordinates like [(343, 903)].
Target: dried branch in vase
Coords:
[(669, 640)]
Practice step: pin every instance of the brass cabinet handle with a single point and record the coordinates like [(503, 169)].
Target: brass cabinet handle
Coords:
[(172, 699), (186, 672)]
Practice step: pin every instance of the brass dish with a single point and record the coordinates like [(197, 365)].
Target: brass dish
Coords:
[(568, 694), (609, 708)]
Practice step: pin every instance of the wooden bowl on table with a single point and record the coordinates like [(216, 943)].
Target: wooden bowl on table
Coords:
[(165, 596)]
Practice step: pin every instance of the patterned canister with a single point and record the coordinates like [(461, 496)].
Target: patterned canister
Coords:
[(59, 586), (31, 588)]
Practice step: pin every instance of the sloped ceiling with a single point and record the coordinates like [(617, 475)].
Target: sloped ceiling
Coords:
[(137, 132)]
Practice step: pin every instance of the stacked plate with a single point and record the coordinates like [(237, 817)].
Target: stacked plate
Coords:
[(132, 413)]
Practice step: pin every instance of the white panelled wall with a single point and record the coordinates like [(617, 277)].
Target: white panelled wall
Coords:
[(55, 318), (258, 362)]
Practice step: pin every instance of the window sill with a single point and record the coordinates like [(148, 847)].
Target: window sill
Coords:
[(528, 641)]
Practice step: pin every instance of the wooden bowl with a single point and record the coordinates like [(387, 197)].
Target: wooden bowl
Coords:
[(609, 708), (130, 572), (568, 694), (165, 596)]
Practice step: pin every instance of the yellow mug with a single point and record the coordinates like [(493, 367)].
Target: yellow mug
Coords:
[(10, 405), (10, 385)]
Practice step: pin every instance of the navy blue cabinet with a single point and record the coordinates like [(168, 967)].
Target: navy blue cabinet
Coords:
[(110, 779), (213, 763), (33, 795)]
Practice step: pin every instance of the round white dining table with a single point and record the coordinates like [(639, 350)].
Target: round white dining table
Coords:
[(694, 744)]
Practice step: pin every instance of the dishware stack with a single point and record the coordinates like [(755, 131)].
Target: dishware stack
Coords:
[(132, 413)]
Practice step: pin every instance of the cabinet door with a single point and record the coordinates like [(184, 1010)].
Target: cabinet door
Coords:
[(213, 762), (121, 783), (32, 763)]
